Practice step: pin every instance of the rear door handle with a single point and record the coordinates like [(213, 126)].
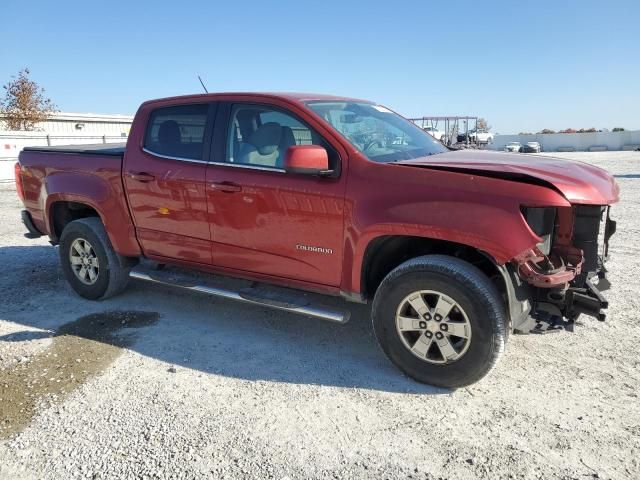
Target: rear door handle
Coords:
[(228, 187), (142, 177)]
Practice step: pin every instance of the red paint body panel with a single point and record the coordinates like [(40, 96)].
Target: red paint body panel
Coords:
[(258, 277), (481, 212), (300, 230), (306, 157), (93, 180), (258, 228), (579, 182), (170, 210)]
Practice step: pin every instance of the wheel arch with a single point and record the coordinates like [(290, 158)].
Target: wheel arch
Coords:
[(385, 252), (62, 211), (63, 208), (72, 195)]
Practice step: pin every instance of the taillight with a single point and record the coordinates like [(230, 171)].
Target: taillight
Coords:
[(19, 188)]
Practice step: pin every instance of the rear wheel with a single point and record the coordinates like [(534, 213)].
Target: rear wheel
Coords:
[(91, 266), (440, 320)]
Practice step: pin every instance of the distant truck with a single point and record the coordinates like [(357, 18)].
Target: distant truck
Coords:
[(513, 147), (312, 193), (481, 136)]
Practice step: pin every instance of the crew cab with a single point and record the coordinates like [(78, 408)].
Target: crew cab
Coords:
[(297, 193)]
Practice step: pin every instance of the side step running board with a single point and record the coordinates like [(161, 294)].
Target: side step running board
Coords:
[(264, 295)]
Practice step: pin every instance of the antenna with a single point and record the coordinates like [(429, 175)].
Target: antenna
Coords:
[(202, 83)]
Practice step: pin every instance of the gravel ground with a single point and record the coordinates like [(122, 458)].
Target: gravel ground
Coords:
[(156, 383), (6, 169)]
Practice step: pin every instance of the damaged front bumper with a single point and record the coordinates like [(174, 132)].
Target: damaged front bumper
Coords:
[(569, 281), (588, 300), (537, 270)]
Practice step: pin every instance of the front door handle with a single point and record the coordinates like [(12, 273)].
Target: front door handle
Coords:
[(228, 187), (142, 177)]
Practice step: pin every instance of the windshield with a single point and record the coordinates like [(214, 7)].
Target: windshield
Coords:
[(376, 131)]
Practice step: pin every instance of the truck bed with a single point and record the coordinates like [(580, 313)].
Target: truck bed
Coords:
[(111, 149), (71, 173)]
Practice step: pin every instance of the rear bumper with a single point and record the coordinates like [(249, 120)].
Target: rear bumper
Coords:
[(33, 232)]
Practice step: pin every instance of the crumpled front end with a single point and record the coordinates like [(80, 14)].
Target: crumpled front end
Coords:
[(566, 271)]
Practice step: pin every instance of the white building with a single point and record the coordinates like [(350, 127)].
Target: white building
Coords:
[(66, 128)]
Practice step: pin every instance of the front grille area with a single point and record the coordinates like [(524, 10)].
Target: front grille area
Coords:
[(588, 234)]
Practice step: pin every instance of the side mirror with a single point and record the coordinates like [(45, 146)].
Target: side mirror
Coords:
[(307, 159)]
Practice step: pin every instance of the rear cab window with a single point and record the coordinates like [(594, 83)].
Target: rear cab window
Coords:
[(177, 131)]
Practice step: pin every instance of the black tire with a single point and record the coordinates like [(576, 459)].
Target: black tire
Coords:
[(113, 271), (466, 285)]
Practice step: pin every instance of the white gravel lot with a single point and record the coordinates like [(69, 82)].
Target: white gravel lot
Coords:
[(6, 169), (216, 389)]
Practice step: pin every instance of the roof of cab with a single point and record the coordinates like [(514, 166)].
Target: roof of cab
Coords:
[(291, 96)]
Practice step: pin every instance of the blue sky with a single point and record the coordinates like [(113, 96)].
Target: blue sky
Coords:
[(522, 65)]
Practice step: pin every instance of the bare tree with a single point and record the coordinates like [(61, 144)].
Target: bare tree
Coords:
[(24, 104), (482, 124)]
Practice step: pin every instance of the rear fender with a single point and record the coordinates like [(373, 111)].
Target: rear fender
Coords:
[(100, 195)]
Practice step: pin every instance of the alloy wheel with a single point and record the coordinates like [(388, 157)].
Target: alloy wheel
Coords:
[(84, 261), (433, 327)]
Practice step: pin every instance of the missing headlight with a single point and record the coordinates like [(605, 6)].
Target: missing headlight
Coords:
[(542, 221)]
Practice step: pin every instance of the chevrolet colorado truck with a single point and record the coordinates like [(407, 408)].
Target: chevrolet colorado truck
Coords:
[(289, 194)]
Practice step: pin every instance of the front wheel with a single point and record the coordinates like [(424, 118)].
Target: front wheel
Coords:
[(440, 320), (91, 266)]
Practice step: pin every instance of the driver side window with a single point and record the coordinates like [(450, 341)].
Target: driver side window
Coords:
[(260, 136)]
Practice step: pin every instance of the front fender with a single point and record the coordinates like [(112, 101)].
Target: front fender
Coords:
[(521, 238), (478, 212)]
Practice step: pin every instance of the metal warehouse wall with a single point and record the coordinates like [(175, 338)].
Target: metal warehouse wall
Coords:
[(65, 129), (579, 142)]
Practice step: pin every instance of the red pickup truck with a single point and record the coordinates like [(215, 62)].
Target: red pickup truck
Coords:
[(295, 193)]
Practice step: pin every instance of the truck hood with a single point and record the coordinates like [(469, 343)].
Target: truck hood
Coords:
[(578, 182)]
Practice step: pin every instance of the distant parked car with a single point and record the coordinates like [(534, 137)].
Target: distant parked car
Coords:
[(513, 147), (531, 147), (481, 136), (434, 132)]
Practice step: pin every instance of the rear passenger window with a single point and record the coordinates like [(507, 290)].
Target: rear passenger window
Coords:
[(177, 131)]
